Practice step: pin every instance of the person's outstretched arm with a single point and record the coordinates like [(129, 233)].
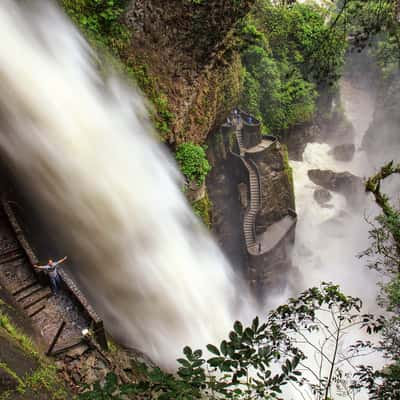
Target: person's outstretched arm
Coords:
[(61, 260), (40, 266)]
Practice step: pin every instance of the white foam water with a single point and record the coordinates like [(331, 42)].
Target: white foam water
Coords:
[(329, 237)]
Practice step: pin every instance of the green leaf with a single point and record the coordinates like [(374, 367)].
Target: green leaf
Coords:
[(110, 384), (215, 361), (187, 351), (213, 349), (224, 348), (184, 362), (255, 323), (238, 327)]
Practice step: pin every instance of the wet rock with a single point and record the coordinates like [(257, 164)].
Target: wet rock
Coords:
[(345, 183), (77, 351), (322, 196), (60, 365), (76, 377), (195, 192), (343, 152), (100, 364)]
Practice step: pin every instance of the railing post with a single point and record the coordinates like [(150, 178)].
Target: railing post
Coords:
[(100, 335), (55, 339)]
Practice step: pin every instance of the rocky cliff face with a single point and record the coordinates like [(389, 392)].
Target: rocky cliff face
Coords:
[(346, 183), (276, 194), (187, 45), (228, 195)]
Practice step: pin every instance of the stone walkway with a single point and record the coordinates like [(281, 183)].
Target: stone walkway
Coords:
[(260, 147), (274, 234), (33, 295), (267, 241)]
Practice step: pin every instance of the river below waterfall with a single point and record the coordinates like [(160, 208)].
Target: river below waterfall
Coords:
[(330, 237)]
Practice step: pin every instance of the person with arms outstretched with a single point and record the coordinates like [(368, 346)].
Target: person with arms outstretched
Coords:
[(52, 272)]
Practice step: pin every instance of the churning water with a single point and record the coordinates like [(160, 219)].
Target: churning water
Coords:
[(329, 238), (84, 147)]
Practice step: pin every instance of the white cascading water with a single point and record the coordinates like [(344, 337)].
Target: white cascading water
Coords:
[(329, 239), (85, 148)]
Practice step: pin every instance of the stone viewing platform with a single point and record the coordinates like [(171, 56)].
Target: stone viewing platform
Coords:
[(60, 318), (264, 144), (250, 141), (254, 216)]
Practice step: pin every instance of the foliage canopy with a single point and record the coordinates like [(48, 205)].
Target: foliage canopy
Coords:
[(193, 162), (288, 53)]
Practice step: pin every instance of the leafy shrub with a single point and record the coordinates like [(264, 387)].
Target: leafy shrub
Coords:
[(287, 52), (193, 162), (258, 360), (203, 209), (101, 20)]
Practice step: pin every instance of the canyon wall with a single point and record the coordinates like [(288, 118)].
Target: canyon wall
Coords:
[(189, 47)]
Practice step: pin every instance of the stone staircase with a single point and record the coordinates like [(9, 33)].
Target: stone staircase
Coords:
[(255, 196)]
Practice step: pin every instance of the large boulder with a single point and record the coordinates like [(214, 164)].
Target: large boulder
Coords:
[(343, 152), (345, 183), (322, 196)]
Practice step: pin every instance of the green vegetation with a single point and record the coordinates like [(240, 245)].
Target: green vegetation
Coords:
[(9, 371), (257, 361), (288, 53), (100, 21), (43, 380), (384, 256), (288, 171), (193, 162), (24, 341), (203, 209), (373, 25)]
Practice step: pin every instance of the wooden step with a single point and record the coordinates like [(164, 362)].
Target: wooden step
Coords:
[(11, 258), (10, 250), (24, 287), (37, 297), (27, 293), (36, 309)]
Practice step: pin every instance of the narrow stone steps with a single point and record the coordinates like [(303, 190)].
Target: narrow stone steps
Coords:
[(255, 197), (11, 257), (36, 297), (28, 292)]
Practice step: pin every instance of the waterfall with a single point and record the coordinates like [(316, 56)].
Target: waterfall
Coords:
[(84, 148)]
